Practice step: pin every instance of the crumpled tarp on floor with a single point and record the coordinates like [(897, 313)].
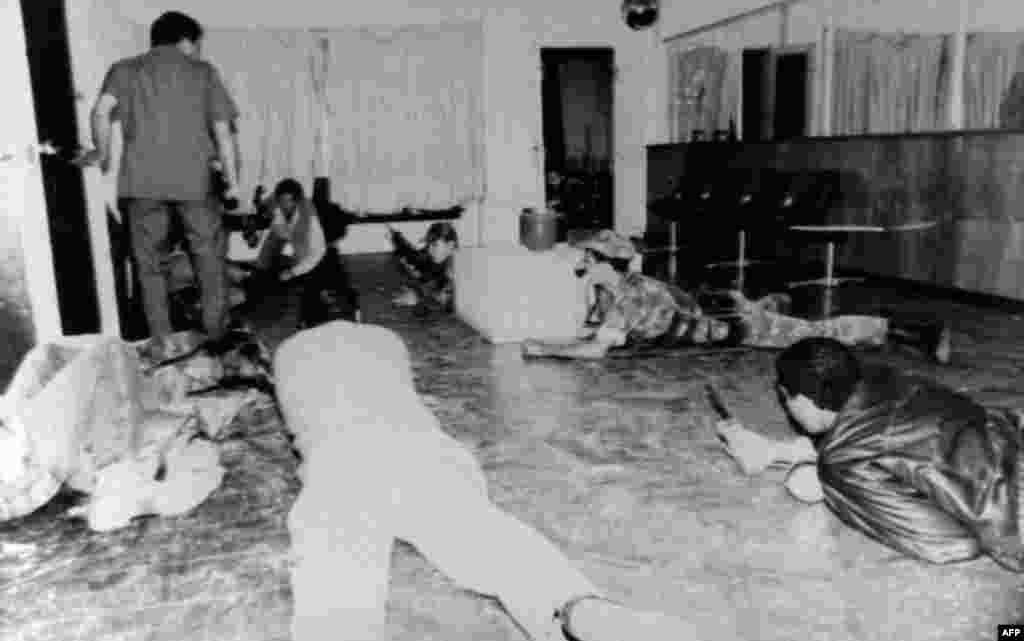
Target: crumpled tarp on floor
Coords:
[(87, 413)]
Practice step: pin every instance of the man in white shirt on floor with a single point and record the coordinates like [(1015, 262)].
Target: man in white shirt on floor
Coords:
[(297, 250), (296, 242)]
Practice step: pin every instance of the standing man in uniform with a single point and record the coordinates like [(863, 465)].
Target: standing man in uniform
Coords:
[(177, 118)]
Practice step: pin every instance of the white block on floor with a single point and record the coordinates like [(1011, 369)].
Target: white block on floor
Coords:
[(509, 293)]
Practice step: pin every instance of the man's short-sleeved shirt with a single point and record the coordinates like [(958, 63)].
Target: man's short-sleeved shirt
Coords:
[(167, 103)]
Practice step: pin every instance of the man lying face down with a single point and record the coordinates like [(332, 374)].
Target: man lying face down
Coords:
[(378, 467), (427, 272), (909, 462), (635, 310)]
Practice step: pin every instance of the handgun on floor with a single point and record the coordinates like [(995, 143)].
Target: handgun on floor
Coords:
[(717, 403)]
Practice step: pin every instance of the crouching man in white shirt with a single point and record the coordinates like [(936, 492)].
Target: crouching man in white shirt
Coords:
[(298, 252)]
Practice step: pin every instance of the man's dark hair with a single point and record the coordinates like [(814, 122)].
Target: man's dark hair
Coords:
[(444, 232), (172, 27), (289, 186), (621, 265), (822, 369)]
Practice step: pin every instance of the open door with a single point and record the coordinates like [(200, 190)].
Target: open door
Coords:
[(49, 58), (578, 103), (777, 93), (28, 293)]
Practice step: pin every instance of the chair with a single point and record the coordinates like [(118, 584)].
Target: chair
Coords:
[(694, 199), (841, 187), (805, 206), (744, 206), (833, 233)]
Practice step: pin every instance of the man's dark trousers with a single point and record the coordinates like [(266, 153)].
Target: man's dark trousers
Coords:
[(149, 221), (329, 277)]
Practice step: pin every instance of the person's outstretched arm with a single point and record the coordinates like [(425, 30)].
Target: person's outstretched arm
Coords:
[(101, 117), (756, 453), (102, 129), (317, 245), (226, 146), (222, 113), (413, 261), (590, 343)]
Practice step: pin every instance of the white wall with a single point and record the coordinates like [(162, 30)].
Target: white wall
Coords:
[(513, 38), (683, 15)]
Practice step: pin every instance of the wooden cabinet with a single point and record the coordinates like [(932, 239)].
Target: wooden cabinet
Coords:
[(972, 183)]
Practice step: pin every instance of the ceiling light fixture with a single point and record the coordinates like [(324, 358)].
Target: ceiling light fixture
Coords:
[(639, 14)]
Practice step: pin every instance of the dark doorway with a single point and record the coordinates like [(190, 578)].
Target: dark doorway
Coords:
[(578, 102), (776, 94), (757, 95), (53, 92), (792, 81)]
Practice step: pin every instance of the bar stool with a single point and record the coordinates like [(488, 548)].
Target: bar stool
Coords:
[(835, 232), (693, 199), (806, 205), (745, 200), (830, 190)]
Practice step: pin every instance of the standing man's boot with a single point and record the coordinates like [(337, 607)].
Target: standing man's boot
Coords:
[(934, 339)]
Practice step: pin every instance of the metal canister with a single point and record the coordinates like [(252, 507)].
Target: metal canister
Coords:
[(538, 230)]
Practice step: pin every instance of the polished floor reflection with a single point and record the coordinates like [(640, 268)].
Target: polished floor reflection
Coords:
[(616, 461)]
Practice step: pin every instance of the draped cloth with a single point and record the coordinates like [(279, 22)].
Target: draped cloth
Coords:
[(405, 116), (994, 81), (703, 89), (82, 412), (394, 118), (889, 83), (270, 74)]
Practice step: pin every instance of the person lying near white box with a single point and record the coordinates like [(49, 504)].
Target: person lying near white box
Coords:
[(635, 310), (428, 271)]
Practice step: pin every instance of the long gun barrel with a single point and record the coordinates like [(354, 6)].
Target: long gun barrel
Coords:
[(402, 247), (418, 260)]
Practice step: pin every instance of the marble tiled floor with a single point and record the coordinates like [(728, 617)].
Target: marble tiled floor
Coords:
[(615, 461)]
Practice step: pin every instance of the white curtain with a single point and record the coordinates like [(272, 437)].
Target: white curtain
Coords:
[(889, 83), (271, 76), (994, 81), (405, 117), (704, 86)]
